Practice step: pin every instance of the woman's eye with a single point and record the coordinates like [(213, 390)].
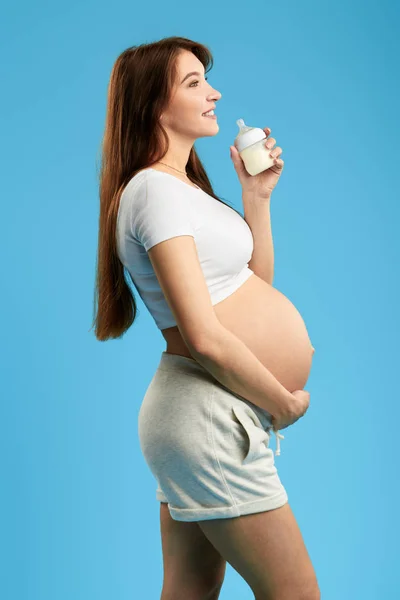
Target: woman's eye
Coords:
[(197, 81)]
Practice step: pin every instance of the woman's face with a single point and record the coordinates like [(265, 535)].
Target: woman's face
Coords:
[(191, 97)]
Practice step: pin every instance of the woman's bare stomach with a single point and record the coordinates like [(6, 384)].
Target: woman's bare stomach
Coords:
[(270, 326)]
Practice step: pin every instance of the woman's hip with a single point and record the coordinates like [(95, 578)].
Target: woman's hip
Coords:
[(185, 411)]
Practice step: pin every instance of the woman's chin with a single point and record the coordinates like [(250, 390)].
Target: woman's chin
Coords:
[(212, 128)]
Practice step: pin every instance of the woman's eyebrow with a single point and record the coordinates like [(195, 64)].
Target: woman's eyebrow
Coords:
[(189, 74)]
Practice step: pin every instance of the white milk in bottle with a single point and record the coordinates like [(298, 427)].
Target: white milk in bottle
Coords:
[(250, 143)]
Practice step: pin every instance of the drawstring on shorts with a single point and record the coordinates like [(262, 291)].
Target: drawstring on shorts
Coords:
[(278, 437)]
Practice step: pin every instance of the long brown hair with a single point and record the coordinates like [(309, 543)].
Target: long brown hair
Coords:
[(141, 82)]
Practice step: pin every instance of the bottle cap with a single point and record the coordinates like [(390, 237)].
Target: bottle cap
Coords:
[(248, 135)]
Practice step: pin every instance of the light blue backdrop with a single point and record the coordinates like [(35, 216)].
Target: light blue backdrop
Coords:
[(79, 517)]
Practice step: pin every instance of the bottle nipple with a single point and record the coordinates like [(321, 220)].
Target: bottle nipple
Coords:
[(242, 127)]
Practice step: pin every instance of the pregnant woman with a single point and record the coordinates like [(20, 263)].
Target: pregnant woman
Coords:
[(238, 354)]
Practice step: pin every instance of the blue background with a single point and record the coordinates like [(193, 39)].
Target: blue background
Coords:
[(79, 517)]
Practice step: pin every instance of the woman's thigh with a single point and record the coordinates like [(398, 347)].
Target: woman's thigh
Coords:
[(193, 568), (268, 551)]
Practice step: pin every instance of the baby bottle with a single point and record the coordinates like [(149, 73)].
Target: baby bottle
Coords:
[(250, 143)]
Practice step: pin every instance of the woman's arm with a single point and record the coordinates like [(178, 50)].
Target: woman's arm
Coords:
[(258, 217)]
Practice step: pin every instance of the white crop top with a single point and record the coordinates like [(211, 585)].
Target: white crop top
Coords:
[(156, 206)]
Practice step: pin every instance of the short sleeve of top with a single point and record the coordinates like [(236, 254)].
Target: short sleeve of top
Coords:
[(160, 210)]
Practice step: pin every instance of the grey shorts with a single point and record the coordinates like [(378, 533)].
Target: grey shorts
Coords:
[(207, 447)]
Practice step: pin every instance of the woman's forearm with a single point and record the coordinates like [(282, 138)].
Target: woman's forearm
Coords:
[(257, 215)]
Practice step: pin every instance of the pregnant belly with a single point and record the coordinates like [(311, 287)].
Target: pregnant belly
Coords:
[(272, 328)]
